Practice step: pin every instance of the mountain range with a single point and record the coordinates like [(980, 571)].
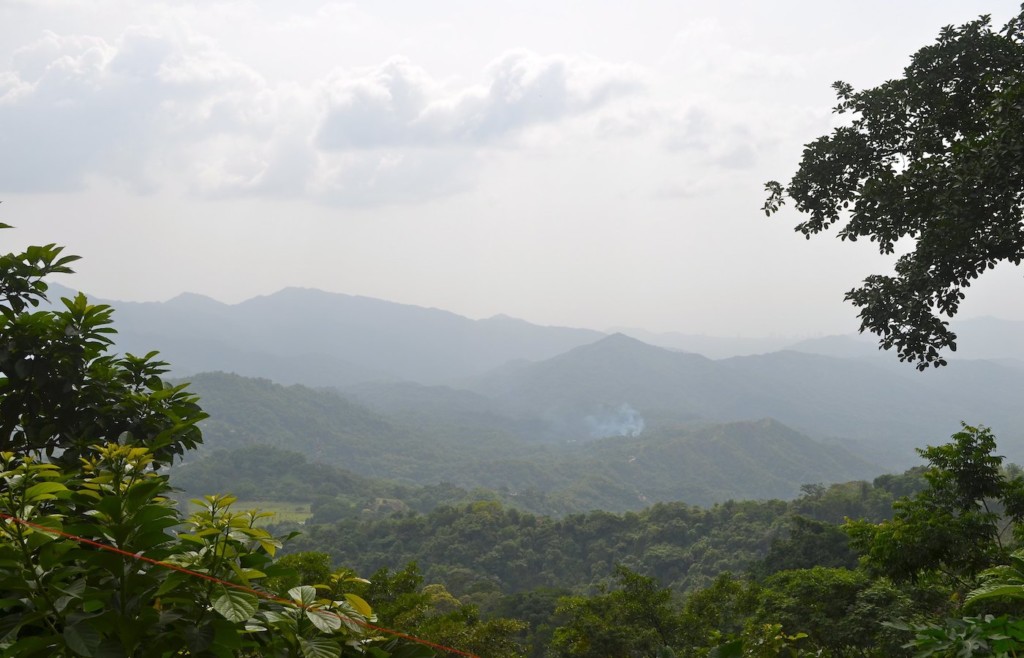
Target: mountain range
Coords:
[(300, 335), (503, 377)]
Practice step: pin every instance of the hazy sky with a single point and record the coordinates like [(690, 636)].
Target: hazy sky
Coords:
[(581, 163)]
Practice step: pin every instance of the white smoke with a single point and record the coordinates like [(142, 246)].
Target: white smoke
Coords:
[(623, 421)]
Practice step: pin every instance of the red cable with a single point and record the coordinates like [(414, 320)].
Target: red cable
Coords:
[(263, 595)]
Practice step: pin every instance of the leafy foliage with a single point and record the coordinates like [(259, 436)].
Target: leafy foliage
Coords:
[(809, 544), (60, 392), (828, 607), (432, 613), (958, 525), (935, 157), (1003, 581), (487, 545), (66, 598), (484, 545), (971, 636), (633, 620), (83, 435)]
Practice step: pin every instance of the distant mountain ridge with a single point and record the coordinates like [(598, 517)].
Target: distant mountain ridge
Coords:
[(986, 338), (300, 335), (982, 338), (349, 330)]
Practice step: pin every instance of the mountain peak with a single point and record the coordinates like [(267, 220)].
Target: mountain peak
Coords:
[(194, 299), (620, 338), (619, 342)]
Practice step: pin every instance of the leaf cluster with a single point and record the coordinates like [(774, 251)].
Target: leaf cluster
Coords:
[(934, 159), (60, 392)]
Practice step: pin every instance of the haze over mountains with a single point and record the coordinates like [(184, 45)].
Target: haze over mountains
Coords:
[(312, 337), (362, 338), (506, 383)]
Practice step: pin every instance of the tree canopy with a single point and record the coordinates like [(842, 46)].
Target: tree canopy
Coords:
[(934, 159)]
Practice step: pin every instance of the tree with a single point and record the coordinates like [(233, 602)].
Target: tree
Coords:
[(821, 604), (636, 620), (432, 613), (60, 392), (717, 614), (83, 435), (958, 526), (809, 544), (935, 158)]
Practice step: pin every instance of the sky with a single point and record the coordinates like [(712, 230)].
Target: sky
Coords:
[(592, 164)]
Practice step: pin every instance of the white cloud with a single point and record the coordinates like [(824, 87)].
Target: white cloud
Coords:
[(168, 109), (399, 104), (81, 106)]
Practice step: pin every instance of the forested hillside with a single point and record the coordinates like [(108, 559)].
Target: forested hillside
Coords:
[(700, 464), (873, 409)]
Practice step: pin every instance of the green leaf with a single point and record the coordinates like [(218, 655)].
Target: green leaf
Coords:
[(325, 620), (274, 617), (235, 605), (82, 639), (172, 582), (303, 594), (43, 491), (270, 546), (360, 604), (994, 591), (320, 647), (30, 645)]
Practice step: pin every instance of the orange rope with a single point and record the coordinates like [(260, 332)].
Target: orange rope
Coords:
[(242, 588)]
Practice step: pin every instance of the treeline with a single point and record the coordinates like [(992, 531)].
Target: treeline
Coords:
[(485, 548), (857, 569)]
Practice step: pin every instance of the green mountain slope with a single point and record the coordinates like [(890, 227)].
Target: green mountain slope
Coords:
[(879, 411), (699, 465)]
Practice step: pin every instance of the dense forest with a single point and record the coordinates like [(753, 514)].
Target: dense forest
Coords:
[(814, 576)]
